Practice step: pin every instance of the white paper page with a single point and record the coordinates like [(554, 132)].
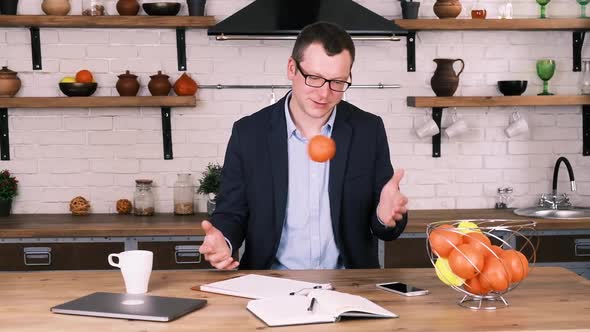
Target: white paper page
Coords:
[(254, 286), (343, 304), (289, 310)]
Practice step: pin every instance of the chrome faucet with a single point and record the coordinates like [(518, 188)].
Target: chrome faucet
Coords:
[(555, 201)]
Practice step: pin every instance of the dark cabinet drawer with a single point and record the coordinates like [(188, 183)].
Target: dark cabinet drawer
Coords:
[(56, 256), (176, 255), (560, 248)]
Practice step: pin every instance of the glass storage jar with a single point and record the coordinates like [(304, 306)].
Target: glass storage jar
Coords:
[(183, 194), (585, 79), (94, 8), (143, 198)]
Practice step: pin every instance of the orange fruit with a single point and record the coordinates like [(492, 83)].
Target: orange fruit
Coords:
[(321, 148), (84, 76), (515, 264), (495, 275), (444, 239), (475, 286), (466, 261), (478, 240)]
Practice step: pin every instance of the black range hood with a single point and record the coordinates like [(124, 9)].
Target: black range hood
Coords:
[(286, 18)]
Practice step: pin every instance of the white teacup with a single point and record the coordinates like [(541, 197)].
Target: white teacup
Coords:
[(136, 266), (518, 126), (457, 128), (428, 128)]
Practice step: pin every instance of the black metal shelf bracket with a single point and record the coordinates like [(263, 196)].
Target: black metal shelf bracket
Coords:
[(181, 48), (167, 132), (577, 44), (586, 130), (4, 143), (36, 48), (437, 117), (411, 50)]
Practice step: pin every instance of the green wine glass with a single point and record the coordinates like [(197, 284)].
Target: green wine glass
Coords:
[(545, 70), (543, 3), (583, 4)]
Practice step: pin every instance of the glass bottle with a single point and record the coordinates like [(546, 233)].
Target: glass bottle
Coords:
[(585, 79), (94, 8), (143, 198), (183, 195)]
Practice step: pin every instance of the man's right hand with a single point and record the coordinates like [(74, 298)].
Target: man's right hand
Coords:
[(215, 248)]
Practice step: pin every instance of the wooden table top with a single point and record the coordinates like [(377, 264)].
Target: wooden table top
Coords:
[(66, 225), (549, 299)]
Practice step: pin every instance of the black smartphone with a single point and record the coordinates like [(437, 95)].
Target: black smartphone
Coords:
[(402, 289)]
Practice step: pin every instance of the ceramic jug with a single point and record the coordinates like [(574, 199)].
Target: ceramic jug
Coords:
[(9, 82), (127, 85), (159, 84), (56, 7), (185, 86), (445, 81), (128, 7), (447, 8)]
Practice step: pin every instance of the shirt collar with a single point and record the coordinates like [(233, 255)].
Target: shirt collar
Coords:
[(292, 129)]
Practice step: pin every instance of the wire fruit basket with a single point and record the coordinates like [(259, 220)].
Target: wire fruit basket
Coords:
[(482, 258)]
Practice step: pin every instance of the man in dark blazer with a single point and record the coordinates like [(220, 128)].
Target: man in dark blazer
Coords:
[(271, 199)]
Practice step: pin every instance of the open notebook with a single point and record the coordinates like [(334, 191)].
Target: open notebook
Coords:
[(329, 307)]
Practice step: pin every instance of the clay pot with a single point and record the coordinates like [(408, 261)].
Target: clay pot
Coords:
[(185, 86), (128, 7), (127, 85), (56, 7), (159, 84), (445, 81), (447, 8), (9, 82)]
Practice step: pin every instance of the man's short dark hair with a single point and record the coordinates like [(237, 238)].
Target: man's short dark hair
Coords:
[(332, 37)]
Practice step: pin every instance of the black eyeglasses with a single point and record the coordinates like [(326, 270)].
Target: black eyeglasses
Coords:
[(318, 82)]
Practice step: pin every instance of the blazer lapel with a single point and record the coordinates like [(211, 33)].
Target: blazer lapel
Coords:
[(279, 163), (341, 134)]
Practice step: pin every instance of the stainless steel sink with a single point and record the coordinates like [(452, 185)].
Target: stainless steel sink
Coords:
[(541, 212)]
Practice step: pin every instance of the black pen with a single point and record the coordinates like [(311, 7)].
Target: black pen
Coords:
[(311, 304)]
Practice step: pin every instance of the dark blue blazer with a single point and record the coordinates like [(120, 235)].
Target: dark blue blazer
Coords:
[(252, 201)]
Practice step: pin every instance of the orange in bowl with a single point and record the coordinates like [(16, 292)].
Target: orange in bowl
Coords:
[(84, 76)]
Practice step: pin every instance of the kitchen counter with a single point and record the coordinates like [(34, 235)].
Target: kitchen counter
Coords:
[(550, 299), (113, 225)]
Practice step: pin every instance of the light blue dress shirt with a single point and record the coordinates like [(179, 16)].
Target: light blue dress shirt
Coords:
[(307, 239)]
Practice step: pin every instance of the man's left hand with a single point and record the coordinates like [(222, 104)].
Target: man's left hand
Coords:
[(392, 203)]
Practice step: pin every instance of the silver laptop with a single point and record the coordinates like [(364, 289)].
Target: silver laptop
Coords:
[(130, 306)]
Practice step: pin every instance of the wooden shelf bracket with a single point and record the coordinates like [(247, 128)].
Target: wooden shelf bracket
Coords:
[(36, 48)]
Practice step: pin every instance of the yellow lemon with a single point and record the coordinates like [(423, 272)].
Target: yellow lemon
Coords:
[(444, 273), (68, 79), (468, 227)]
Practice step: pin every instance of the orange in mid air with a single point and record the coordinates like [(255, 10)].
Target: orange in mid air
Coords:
[(321, 148), (84, 76)]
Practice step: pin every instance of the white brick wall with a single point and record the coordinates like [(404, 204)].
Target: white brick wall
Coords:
[(61, 153)]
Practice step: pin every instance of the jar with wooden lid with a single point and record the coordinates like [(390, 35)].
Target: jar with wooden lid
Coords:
[(143, 198)]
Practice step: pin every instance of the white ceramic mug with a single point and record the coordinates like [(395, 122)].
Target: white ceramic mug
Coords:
[(518, 126), (458, 127), (136, 266), (428, 128)]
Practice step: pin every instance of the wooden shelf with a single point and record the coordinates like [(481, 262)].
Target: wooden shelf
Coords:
[(488, 101), (530, 24), (79, 21), (54, 102)]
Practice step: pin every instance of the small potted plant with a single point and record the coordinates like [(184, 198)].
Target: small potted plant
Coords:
[(209, 184), (8, 189), (410, 9)]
